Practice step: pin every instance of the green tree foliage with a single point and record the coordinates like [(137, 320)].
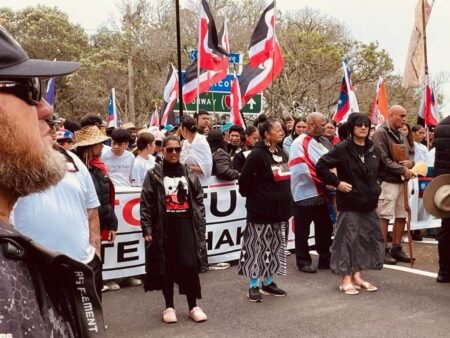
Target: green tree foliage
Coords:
[(144, 42)]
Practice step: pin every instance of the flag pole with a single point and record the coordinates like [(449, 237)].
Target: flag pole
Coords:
[(273, 55), (180, 87), (425, 52), (198, 59)]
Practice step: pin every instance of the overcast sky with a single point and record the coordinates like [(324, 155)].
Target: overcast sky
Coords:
[(388, 21)]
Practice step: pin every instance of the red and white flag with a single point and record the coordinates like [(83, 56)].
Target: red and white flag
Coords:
[(263, 38), (191, 82), (265, 59), (255, 80), (210, 53), (169, 97), (236, 103), (154, 119), (427, 109), (222, 72)]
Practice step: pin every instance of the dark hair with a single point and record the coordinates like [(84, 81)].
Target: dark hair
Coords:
[(250, 130), (72, 126), (189, 123), (201, 112), (410, 137), (343, 131), (215, 140), (296, 121), (168, 139), (238, 129), (144, 140), (416, 128), (260, 119), (109, 131), (91, 120), (288, 118), (120, 135), (266, 125)]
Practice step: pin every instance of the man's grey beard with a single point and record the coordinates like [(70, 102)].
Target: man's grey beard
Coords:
[(23, 174)]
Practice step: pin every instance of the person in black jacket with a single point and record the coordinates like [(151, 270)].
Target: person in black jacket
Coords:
[(441, 167), (265, 182), (222, 167), (89, 145), (358, 243), (172, 214)]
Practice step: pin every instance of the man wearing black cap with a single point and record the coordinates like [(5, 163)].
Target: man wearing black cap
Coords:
[(57, 301)]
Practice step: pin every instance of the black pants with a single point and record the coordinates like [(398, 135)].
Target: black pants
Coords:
[(96, 265), (323, 229), (443, 238)]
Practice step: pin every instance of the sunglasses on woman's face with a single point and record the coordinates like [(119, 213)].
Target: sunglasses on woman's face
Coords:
[(170, 150), (28, 90), (360, 125)]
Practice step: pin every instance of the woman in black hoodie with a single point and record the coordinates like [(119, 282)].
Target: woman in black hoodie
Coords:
[(265, 182), (358, 243)]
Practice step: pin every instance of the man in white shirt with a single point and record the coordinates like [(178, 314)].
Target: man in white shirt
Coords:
[(144, 160), (64, 218), (118, 160)]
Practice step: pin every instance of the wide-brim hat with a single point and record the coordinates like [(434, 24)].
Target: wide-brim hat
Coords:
[(15, 63), (128, 125), (436, 197), (88, 136)]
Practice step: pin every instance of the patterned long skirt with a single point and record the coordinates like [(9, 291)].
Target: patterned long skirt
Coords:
[(263, 252)]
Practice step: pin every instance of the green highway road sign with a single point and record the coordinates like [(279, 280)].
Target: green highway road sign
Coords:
[(221, 103)]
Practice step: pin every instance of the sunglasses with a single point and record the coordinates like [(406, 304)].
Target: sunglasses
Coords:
[(28, 90), (170, 150), (360, 125)]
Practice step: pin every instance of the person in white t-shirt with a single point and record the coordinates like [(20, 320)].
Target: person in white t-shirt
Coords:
[(195, 153), (64, 218), (144, 160), (118, 160)]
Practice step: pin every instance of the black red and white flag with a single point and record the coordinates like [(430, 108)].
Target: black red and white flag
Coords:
[(170, 96), (210, 52), (262, 41), (236, 103), (255, 79), (191, 82), (224, 42)]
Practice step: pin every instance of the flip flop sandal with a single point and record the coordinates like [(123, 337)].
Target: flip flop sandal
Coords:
[(348, 289), (366, 286)]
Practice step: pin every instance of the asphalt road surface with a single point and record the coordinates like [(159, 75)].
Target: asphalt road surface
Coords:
[(406, 305)]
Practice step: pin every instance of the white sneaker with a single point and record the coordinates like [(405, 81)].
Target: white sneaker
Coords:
[(288, 253), (197, 315), (112, 285), (105, 288), (132, 281), (169, 316)]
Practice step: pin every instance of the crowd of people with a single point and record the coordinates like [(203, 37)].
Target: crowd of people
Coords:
[(58, 182)]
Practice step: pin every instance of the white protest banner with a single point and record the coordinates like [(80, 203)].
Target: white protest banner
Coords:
[(225, 225)]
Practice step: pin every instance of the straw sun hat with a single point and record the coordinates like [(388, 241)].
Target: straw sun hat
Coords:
[(88, 136)]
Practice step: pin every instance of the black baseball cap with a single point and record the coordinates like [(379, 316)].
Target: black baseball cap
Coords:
[(15, 63)]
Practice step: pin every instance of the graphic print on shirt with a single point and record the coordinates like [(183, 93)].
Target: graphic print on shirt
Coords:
[(281, 172), (176, 189)]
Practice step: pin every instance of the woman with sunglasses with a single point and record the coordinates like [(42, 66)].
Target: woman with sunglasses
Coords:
[(358, 243), (172, 212), (265, 182)]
